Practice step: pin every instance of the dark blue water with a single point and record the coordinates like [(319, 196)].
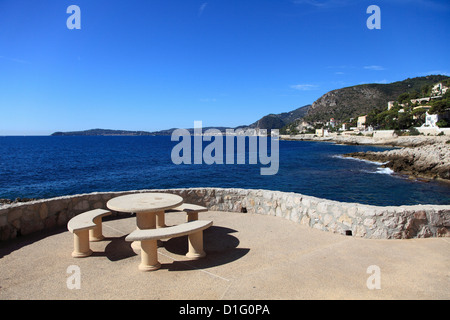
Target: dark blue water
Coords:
[(43, 167)]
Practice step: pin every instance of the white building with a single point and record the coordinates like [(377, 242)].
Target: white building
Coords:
[(439, 89), (430, 120), (344, 126), (390, 105), (332, 122)]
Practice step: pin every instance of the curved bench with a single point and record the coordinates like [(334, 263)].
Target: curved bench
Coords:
[(86, 227), (149, 237), (191, 211)]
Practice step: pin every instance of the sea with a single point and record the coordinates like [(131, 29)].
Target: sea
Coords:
[(50, 166)]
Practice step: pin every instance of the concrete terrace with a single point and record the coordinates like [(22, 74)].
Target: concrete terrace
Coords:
[(249, 257)]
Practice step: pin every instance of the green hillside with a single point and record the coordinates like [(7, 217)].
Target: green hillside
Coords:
[(355, 101)]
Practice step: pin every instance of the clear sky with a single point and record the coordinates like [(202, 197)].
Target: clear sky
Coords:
[(158, 64)]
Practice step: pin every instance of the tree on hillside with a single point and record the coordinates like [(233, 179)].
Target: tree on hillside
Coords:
[(414, 95), (426, 91), (387, 119), (442, 105), (442, 123), (419, 114), (372, 119), (403, 98), (405, 120)]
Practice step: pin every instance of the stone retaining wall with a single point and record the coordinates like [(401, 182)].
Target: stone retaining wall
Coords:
[(359, 220)]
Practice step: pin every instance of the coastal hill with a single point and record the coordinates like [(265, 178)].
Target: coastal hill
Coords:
[(278, 121), (110, 132), (271, 121), (101, 132), (351, 102)]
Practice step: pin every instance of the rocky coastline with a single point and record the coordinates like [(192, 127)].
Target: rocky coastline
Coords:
[(429, 161), (418, 158), (425, 157)]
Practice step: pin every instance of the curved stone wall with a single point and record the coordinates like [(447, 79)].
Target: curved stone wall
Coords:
[(359, 220)]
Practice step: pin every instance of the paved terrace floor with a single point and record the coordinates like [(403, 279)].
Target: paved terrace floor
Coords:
[(249, 257)]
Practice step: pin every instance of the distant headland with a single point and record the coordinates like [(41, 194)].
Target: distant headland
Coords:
[(103, 132), (110, 132)]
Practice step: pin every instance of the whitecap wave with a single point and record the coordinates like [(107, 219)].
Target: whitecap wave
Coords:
[(379, 171), (362, 160), (385, 171)]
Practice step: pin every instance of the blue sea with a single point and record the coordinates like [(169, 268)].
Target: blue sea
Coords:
[(50, 166)]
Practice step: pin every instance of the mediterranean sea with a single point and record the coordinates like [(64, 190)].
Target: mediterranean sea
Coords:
[(51, 166)]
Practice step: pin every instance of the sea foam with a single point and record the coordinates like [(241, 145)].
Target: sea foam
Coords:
[(385, 171), (379, 170), (362, 160)]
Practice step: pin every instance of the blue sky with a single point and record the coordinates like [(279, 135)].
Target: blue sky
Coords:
[(157, 64)]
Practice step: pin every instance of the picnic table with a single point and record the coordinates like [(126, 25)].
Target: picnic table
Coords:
[(87, 226), (147, 206)]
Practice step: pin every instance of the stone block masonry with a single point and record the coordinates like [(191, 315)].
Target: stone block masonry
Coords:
[(373, 222)]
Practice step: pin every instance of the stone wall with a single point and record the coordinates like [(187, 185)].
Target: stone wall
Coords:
[(433, 131), (359, 220), (384, 134)]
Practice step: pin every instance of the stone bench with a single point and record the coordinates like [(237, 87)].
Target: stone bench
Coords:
[(86, 227), (191, 211), (149, 238)]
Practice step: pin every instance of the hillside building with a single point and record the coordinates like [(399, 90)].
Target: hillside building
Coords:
[(321, 132), (430, 120), (361, 124), (332, 122), (439, 89)]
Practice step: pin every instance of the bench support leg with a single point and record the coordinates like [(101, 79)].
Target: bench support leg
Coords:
[(81, 244), (195, 241), (161, 221), (149, 256), (144, 221), (96, 234), (191, 216)]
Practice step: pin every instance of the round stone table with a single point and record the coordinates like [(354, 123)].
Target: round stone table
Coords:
[(146, 206)]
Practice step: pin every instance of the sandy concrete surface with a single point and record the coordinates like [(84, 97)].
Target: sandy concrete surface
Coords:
[(249, 257)]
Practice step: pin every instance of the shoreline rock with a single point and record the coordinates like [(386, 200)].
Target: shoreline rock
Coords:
[(426, 157), (427, 161)]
